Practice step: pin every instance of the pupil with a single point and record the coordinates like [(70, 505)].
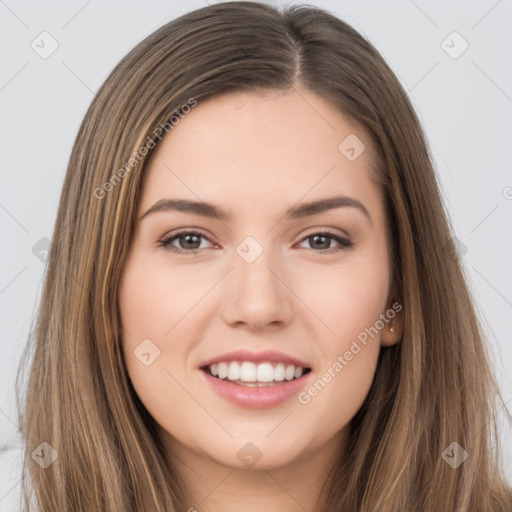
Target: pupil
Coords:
[(326, 240), (187, 238)]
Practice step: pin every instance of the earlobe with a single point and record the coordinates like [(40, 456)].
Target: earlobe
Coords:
[(393, 330)]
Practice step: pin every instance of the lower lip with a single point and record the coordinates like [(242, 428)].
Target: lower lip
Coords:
[(255, 397)]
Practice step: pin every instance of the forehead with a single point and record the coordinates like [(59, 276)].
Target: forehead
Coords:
[(253, 148)]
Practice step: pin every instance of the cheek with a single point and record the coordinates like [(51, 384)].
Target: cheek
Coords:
[(351, 304), (156, 308), (148, 311), (349, 300), (152, 300), (349, 358)]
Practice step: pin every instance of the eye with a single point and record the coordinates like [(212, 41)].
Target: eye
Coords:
[(323, 241), (190, 242)]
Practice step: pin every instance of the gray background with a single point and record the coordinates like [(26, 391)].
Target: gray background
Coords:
[(464, 102)]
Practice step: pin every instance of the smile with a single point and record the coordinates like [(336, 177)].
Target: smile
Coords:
[(247, 373), (249, 385)]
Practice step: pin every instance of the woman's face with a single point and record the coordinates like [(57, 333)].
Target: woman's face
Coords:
[(267, 290)]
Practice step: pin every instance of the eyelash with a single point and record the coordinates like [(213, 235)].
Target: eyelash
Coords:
[(166, 242)]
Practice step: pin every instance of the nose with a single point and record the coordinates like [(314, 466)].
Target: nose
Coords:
[(257, 296)]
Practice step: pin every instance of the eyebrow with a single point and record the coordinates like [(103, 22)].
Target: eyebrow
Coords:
[(295, 212)]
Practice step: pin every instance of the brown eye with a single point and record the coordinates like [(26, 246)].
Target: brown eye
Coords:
[(189, 242), (323, 241)]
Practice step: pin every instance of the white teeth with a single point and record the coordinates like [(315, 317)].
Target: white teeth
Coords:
[(289, 373), (233, 371), (265, 373), (279, 372), (223, 370), (249, 372)]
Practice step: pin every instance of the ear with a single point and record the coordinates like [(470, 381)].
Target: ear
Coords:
[(394, 328)]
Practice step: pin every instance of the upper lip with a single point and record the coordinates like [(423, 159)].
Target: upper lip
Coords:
[(271, 356)]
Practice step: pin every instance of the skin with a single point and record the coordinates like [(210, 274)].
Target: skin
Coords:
[(256, 155)]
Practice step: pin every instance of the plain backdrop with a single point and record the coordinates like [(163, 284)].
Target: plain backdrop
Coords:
[(453, 58)]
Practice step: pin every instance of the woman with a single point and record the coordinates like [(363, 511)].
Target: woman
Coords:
[(317, 349)]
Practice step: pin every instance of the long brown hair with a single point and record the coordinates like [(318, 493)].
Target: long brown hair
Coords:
[(430, 390)]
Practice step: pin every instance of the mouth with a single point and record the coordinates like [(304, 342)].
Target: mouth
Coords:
[(250, 374)]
